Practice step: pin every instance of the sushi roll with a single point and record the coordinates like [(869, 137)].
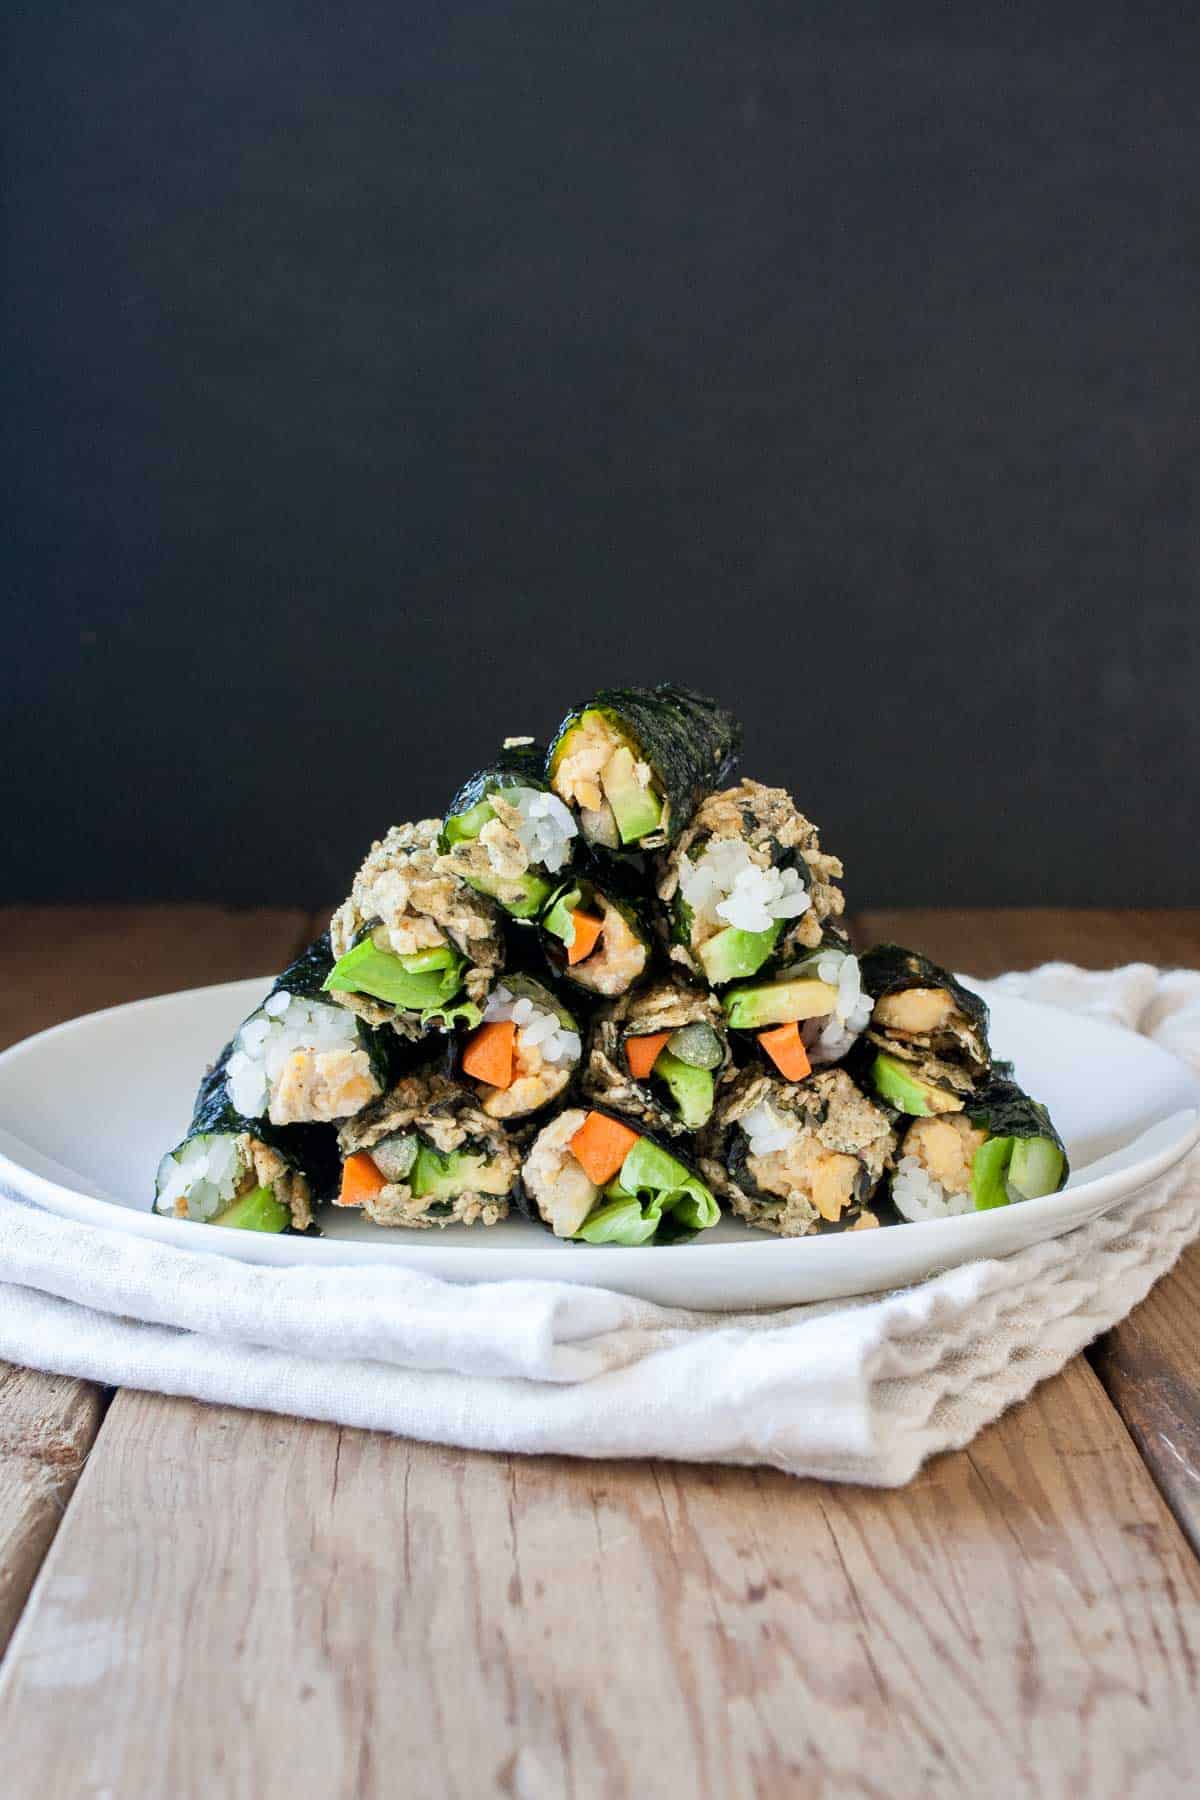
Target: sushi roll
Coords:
[(596, 1179), (427, 1155), (928, 1033), (525, 1054), (1003, 1147), (634, 763), (595, 933), (657, 1055), (794, 1157), (746, 883), (300, 1058), (416, 947), (242, 1172), (809, 1013), (506, 834)]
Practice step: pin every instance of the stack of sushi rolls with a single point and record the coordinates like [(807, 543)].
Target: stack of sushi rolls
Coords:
[(609, 989)]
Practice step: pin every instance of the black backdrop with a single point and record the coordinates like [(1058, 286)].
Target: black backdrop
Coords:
[(383, 376)]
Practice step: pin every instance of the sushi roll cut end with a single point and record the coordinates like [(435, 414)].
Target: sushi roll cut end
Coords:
[(232, 1179), (594, 1178), (526, 1051), (594, 941), (297, 1060), (426, 1155)]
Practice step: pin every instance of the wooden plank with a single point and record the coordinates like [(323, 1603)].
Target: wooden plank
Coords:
[(986, 941), (1150, 1366), (48, 1424), (102, 956), (105, 955), (250, 1605)]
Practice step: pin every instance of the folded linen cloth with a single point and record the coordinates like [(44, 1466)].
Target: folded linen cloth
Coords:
[(854, 1390)]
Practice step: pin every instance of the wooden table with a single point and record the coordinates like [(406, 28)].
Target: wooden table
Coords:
[(201, 1601)]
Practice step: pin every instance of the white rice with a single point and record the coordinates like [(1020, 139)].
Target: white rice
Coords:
[(918, 1196), (545, 829), (725, 886), (767, 1129), (206, 1172), (270, 1036), (536, 1028), (829, 1038)]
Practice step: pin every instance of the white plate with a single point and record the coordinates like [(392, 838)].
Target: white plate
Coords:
[(87, 1109)]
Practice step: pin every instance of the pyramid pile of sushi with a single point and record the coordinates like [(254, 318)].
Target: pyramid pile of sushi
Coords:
[(610, 990)]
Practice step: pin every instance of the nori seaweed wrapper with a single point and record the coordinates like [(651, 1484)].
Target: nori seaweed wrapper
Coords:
[(516, 765), (1003, 1109), (830, 1106), (598, 873), (523, 986), (431, 1105), (670, 1229), (689, 741), (891, 969), (776, 835), (310, 1149), (668, 1004), (304, 977)]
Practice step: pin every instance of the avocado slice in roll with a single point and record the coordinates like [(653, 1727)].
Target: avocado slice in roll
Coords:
[(798, 1157), (1003, 1147), (243, 1172), (657, 1055), (507, 834), (808, 1013), (747, 885), (596, 1179), (415, 946), (427, 1155), (635, 762)]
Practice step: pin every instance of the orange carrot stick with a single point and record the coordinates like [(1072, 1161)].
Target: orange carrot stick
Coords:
[(360, 1179), (587, 936), (601, 1145), (641, 1053), (785, 1047), (488, 1054)]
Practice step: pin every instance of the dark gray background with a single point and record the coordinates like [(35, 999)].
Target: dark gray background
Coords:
[(382, 377)]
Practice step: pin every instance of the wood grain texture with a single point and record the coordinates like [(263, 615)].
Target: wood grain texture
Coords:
[(986, 941), (103, 956), (255, 1606), (48, 1423), (1150, 1366)]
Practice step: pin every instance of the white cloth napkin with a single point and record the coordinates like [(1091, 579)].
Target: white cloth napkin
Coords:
[(852, 1390)]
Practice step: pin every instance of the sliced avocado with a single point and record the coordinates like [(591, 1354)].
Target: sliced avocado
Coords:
[(258, 1210), (1036, 1167), (438, 1176), (735, 953), (464, 827), (637, 809), (690, 1088), (989, 1166), (522, 896), (899, 1084), (428, 978), (756, 1005)]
